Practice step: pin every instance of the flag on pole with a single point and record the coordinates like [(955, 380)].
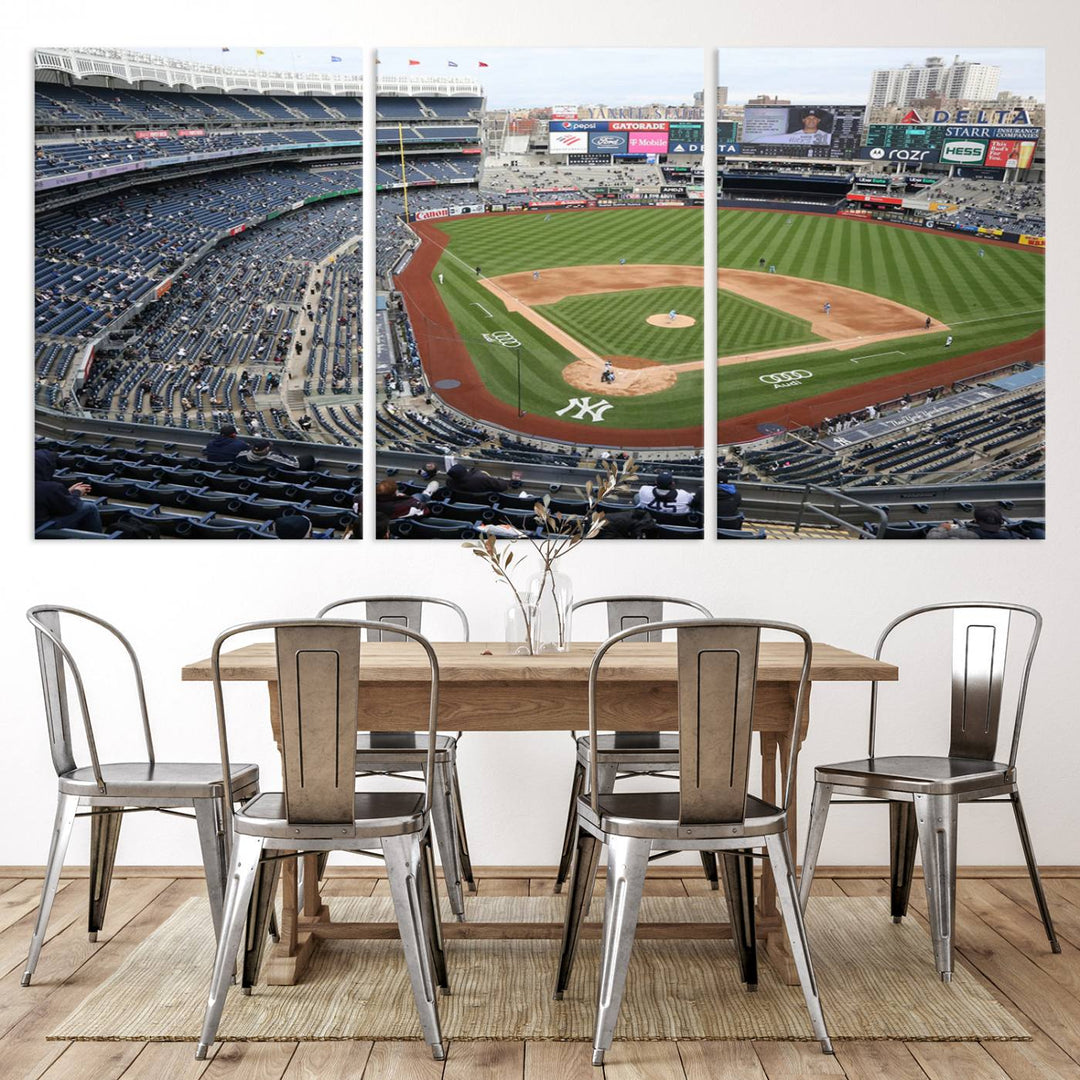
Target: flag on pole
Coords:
[(259, 52), (414, 63), (335, 59), (481, 64), (451, 63)]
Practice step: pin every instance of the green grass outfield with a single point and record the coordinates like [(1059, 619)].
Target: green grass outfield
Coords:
[(609, 323), (986, 301)]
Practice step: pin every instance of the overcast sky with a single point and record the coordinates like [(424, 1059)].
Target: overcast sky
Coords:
[(538, 77), (842, 76)]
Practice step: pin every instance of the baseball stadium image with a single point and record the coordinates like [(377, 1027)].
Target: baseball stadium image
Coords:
[(540, 295)]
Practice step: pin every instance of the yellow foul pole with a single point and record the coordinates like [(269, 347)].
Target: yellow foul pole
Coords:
[(404, 182)]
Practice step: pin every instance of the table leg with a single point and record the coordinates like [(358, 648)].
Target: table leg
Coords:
[(287, 960)]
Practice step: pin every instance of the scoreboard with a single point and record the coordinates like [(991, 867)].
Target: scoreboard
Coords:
[(904, 136), (997, 147), (802, 131), (690, 136)]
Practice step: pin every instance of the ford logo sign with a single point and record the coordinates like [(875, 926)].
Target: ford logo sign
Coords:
[(607, 141)]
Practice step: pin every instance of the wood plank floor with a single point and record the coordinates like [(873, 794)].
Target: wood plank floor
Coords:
[(998, 935)]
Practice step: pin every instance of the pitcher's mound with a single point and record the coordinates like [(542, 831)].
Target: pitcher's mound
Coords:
[(663, 319)]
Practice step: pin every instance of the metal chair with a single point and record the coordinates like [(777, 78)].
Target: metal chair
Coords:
[(318, 665), (711, 811), (402, 754), (110, 790), (924, 793), (627, 753)]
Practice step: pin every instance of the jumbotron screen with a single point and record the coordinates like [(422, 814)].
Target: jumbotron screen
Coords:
[(810, 131)]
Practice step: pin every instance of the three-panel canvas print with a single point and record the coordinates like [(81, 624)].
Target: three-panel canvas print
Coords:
[(530, 344)]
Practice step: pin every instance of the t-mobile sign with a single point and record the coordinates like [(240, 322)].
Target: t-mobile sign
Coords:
[(648, 142)]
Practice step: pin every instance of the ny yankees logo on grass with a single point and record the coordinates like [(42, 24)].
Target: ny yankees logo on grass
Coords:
[(586, 407)]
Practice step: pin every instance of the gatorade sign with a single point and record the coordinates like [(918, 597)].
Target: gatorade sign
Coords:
[(963, 151)]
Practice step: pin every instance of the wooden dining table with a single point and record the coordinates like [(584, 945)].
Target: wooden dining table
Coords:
[(485, 687)]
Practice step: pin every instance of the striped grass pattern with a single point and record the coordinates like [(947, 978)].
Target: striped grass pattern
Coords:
[(986, 301)]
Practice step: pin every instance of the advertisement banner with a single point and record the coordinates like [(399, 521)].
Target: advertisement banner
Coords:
[(471, 208), (638, 125), (893, 153), (563, 112), (982, 131), (1032, 241), (608, 142), (963, 151), (678, 190), (647, 142), (878, 199), (578, 125), (567, 142), (427, 215), (151, 134), (1009, 154), (1002, 153), (184, 132)]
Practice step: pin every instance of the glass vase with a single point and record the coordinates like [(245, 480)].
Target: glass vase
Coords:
[(552, 593), (521, 623)]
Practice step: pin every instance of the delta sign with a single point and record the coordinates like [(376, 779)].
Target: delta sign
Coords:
[(1015, 115)]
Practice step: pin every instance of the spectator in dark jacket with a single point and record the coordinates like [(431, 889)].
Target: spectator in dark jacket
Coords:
[(399, 504), (56, 502), (728, 501), (988, 523), (463, 480), (225, 446)]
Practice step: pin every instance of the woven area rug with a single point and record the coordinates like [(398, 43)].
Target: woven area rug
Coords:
[(877, 981)]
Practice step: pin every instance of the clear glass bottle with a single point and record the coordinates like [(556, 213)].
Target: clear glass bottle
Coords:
[(552, 593), (521, 629)]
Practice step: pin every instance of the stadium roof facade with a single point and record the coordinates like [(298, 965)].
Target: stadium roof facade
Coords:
[(147, 71)]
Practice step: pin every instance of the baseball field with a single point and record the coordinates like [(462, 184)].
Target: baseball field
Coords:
[(569, 295)]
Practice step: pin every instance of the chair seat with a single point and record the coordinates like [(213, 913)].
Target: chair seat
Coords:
[(921, 775), (655, 815), (376, 813), (633, 748), (399, 743), (163, 779)]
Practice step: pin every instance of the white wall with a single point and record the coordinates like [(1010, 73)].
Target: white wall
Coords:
[(173, 598)]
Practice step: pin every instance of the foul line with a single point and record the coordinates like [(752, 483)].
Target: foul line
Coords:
[(870, 356), (1002, 315), (476, 303)]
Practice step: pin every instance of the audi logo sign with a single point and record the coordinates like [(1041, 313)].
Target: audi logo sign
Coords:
[(779, 380)]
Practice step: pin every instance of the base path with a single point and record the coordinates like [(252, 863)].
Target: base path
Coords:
[(855, 318)]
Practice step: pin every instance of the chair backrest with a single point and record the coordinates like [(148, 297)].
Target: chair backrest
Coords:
[(624, 612), (54, 657), (390, 611), (980, 640), (319, 701), (717, 678)]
